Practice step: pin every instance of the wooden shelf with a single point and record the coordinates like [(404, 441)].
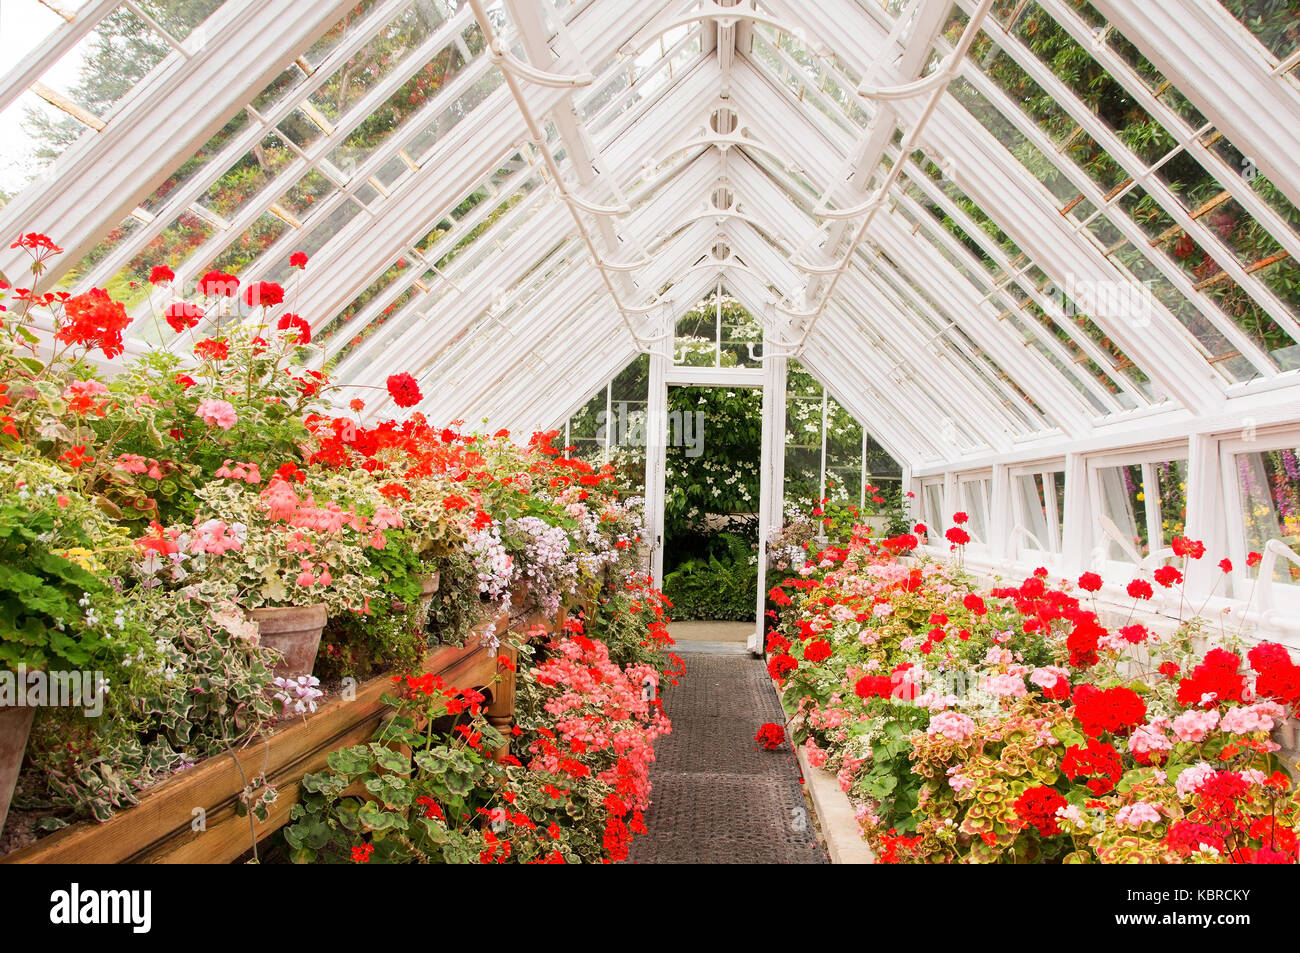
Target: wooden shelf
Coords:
[(191, 818)]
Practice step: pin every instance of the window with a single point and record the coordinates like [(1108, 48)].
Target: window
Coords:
[(1039, 500), (830, 456), (1267, 507), (974, 495), (932, 508), (1141, 505)]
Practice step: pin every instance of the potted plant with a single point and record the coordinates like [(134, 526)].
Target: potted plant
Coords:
[(56, 548), (296, 552)]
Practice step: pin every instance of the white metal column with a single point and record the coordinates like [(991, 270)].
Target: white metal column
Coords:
[(771, 479), (656, 453)]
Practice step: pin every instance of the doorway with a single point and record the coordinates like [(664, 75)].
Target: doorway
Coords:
[(713, 451)]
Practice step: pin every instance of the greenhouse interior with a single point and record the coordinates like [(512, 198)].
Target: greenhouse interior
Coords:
[(697, 431)]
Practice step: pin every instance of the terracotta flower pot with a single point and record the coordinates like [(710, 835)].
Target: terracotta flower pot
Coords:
[(294, 632), (428, 586), (15, 725)]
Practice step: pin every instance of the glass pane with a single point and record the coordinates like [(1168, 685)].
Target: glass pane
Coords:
[(844, 478), (1171, 475), (1269, 484), (179, 18), (1032, 533), (975, 498), (934, 514), (1275, 23), (1123, 500)]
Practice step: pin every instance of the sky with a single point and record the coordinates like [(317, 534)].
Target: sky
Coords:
[(23, 25)]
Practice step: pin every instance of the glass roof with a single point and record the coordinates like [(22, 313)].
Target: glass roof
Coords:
[(1048, 228)]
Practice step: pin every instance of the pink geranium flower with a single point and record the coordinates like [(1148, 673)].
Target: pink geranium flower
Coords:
[(217, 413)]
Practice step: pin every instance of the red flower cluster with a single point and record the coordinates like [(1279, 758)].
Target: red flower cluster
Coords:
[(292, 322), (1140, 589), (1099, 762), (216, 283), (770, 736), (1116, 710), (404, 390), (212, 349), (182, 315), (779, 666), (1168, 576), (874, 686), (957, 536), (266, 294), (1090, 582), (1182, 546), (1277, 676), (93, 320), (1083, 641), (1218, 675), (819, 650), (1038, 806)]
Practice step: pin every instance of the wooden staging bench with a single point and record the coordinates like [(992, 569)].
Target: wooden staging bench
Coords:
[(191, 818)]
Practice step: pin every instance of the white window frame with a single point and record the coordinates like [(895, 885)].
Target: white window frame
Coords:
[(1049, 472), (964, 482), (934, 520), (1283, 596), (1147, 458)]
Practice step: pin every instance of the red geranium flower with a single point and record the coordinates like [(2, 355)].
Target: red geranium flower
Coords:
[(957, 536), (1090, 582), (182, 315), (298, 259), (1182, 546), (770, 736), (76, 457), (218, 283), (212, 349), (817, 650), (36, 241), (1038, 806), (264, 293), (778, 666), (1217, 679), (161, 274), (1168, 576), (292, 322), (1099, 762), (94, 319), (960, 517), (1140, 589), (1116, 710), (404, 390)]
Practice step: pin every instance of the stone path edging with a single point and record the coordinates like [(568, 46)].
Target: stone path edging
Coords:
[(839, 825)]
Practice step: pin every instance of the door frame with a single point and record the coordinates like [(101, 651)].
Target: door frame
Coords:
[(770, 380)]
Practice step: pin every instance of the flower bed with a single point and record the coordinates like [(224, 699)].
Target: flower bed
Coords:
[(574, 790), (150, 518), (1010, 725)]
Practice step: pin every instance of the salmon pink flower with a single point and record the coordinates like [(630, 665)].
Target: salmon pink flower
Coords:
[(216, 413)]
